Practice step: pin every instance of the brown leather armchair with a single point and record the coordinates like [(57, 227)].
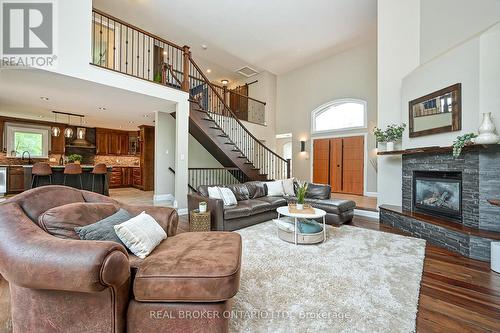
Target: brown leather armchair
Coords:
[(72, 285)]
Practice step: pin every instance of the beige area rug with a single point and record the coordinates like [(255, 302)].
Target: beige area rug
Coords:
[(359, 280)]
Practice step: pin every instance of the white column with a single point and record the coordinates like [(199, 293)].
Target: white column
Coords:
[(181, 155)]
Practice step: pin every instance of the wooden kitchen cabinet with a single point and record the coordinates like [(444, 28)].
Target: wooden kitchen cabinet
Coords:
[(137, 178), (58, 144), (15, 180), (116, 178), (101, 141), (112, 142)]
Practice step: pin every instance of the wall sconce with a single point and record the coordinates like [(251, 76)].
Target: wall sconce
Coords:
[(302, 146)]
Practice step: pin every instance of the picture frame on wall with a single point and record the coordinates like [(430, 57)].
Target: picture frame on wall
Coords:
[(437, 112)]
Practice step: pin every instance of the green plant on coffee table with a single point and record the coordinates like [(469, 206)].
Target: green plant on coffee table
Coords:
[(301, 193), (394, 132), (75, 158), (461, 142)]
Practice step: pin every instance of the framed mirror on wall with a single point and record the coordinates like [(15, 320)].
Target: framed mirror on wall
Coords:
[(438, 112)]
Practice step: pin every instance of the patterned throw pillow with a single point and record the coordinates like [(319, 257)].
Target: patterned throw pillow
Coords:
[(224, 194)]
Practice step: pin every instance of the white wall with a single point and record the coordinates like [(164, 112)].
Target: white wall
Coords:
[(398, 55), (199, 157), (164, 156), (446, 23), (460, 65), (489, 73), (350, 74)]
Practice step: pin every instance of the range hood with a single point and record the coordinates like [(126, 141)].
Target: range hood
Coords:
[(80, 141)]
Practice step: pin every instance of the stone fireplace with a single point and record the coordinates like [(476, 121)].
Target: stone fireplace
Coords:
[(445, 199)]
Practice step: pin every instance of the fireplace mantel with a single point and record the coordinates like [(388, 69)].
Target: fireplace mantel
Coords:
[(434, 149)]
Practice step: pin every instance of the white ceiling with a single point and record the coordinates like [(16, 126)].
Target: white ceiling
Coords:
[(272, 35), (20, 92)]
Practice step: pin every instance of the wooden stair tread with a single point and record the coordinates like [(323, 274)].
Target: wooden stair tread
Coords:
[(458, 227)]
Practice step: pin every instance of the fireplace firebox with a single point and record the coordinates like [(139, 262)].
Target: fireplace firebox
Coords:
[(438, 193)]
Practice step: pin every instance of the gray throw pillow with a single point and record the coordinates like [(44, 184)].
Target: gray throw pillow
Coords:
[(103, 230)]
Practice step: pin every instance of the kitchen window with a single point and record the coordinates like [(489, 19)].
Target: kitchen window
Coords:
[(31, 138)]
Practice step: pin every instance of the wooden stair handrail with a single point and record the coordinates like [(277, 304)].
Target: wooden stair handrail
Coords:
[(207, 81)]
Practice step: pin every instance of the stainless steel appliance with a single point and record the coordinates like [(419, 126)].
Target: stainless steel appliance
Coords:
[(3, 180)]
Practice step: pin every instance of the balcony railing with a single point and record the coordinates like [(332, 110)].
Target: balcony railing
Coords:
[(121, 47), (213, 176)]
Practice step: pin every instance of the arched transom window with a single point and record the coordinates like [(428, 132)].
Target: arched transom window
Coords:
[(339, 115)]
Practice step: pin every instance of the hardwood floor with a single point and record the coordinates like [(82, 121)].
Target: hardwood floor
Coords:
[(457, 294), (362, 202)]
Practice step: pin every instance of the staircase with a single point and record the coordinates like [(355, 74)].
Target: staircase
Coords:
[(212, 122)]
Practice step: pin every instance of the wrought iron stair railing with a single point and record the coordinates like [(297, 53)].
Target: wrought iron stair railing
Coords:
[(121, 47)]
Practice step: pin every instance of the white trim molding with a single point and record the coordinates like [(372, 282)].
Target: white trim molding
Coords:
[(367, 213), (163, 197), (322, 108), (182, 211), (371, 194)]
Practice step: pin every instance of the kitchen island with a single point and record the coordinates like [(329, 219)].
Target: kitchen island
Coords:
[(101, 182)]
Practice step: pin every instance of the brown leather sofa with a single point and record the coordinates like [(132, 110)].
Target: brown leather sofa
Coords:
[(64, 284), (254, 206)]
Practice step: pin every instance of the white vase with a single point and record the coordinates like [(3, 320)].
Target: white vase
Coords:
[(300, 206), (487, 129), (389, 146), (202, 208)]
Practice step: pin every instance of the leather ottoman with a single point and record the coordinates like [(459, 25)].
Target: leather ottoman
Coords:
[(186, 284)]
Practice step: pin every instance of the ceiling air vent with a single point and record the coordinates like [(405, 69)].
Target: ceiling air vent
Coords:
[(247, 71)]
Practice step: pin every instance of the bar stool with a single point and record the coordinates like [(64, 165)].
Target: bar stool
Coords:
[(101, 170), (73, 170), (40, 170)]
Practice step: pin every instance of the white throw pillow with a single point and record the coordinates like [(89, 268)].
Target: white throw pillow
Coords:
[(274, 189), (222, 193), (141, 234), (288, 187)]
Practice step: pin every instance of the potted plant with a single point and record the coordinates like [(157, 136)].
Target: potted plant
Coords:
[(379, 135), (75, 158), (301, 195), (461, 142), (392, 134), (202, 207)]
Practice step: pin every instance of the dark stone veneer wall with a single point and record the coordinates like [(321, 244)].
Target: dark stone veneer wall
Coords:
[(480, 169)]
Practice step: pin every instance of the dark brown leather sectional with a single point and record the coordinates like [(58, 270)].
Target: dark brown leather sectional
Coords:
[(254, 206), (65, 284)]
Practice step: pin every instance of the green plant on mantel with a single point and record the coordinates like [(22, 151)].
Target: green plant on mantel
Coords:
[(75, 158), (461, 142), (379, 135), (392, 133)]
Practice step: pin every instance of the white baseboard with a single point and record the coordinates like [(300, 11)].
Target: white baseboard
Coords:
[(371, 194), (366, 213), (182, 211), (163, 197)]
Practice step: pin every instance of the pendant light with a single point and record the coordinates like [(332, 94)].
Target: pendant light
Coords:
[(68, 132), (55, 130), (80, 131)]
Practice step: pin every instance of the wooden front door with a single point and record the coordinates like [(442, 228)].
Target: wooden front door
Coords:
[(336, 166), (340, 163), (353, 165), (321, 162)]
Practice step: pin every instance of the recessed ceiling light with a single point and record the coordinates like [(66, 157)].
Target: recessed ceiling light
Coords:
[(146, 116), (40, 116), (44, 98), (165, 53), (209, 70), (204, 46), (102, 108), (131, 122)]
